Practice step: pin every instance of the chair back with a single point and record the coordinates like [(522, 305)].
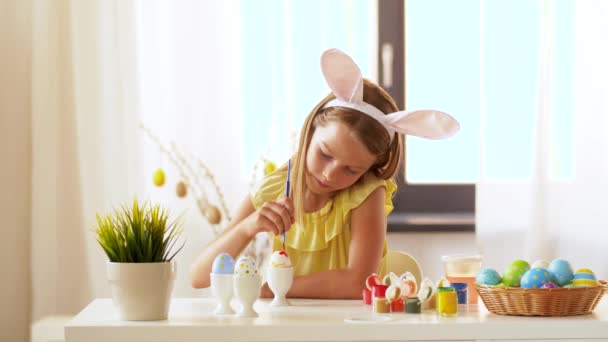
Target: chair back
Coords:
[(400, 262)]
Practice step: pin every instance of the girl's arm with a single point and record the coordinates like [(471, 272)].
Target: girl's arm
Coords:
[(368, 233), (247, 222)]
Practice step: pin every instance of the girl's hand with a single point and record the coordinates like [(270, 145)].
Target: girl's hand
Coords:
[(275, 217), (265, 291)]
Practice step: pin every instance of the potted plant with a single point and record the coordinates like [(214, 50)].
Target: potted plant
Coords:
[(139, 242)]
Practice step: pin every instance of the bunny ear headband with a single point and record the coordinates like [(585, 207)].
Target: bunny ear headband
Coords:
[(344, 78)]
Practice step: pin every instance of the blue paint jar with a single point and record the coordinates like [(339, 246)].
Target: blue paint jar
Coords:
[(462, 292)]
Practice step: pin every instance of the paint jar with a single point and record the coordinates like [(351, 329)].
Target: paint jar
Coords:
[(367, 297), (397, 305), (379, 291), (413, 305), (380, 303), (462, 292), (447, 301)]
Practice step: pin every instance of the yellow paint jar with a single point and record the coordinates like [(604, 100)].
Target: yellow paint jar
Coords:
[(447, 301), (381, 305)]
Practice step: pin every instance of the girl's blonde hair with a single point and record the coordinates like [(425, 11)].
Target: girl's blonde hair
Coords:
[(371, 133)]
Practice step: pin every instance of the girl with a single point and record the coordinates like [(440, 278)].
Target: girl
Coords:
[(341, 185)]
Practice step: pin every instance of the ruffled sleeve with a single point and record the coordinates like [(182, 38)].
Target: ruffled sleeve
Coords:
[(271, 188), (356, 195), (331, 221)]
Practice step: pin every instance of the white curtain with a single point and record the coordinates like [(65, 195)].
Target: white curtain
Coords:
[(547, 216), (103, 67), (99, 69)]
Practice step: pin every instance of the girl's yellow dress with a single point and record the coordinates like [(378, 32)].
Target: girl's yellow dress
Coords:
[(324, 242)]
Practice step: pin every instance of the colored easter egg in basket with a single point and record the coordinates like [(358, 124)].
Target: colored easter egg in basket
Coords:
[(584, 277), (562, 271), (488, 276), (520, 264), (501, 285), (535, 278), (372, 280), (549, 285), (513, 274)]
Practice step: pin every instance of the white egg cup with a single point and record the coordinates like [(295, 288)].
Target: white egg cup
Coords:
[(222, 289), (247, 291), (279, 281)]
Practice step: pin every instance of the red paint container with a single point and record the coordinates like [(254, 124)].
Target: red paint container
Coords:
[(379, 291), (367, 297), (398, 305)]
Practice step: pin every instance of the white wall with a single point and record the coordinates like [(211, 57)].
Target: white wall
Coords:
[(15, 146)]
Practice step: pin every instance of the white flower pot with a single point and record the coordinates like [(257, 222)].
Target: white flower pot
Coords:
[(142, 291)]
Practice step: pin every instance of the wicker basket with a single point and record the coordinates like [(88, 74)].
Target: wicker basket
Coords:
[(541, 302)]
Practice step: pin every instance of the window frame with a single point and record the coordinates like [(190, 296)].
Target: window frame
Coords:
[(417, 207)]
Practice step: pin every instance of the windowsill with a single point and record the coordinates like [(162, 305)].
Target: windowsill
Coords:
[(431, 222)]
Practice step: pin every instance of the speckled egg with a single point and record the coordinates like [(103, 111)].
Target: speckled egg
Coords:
[(584, 277), (488, 276), (245, 267), (562, 271), (223, 264), (520, 264), (513, 274), (535, 278), (549, 285)]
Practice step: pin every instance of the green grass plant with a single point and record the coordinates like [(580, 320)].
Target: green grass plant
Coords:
[(138, 234)]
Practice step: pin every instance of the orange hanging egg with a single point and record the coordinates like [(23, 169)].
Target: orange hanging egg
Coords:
[(213, 214), (181, 190)]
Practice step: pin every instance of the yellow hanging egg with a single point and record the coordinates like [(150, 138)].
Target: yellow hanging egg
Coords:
[(213, 214), (269, 168), (181, 189), (159, 177)]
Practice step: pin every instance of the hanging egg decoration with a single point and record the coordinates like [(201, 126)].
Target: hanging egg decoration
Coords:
[(159, 177), (213, 214), (181, 189), (269, 168)]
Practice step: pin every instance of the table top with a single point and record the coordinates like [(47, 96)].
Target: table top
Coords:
[(192, 319)]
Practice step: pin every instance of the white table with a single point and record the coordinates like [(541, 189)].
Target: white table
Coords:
[(192, 319)]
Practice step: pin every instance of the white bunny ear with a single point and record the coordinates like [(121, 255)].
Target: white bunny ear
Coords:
[(342, 75), (431, 124)]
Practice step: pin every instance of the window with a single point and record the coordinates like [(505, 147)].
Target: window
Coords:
[(473, 59), (436, 197), (282, 82), (469, 58)]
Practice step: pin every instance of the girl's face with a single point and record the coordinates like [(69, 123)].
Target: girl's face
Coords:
[(336, 159)]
